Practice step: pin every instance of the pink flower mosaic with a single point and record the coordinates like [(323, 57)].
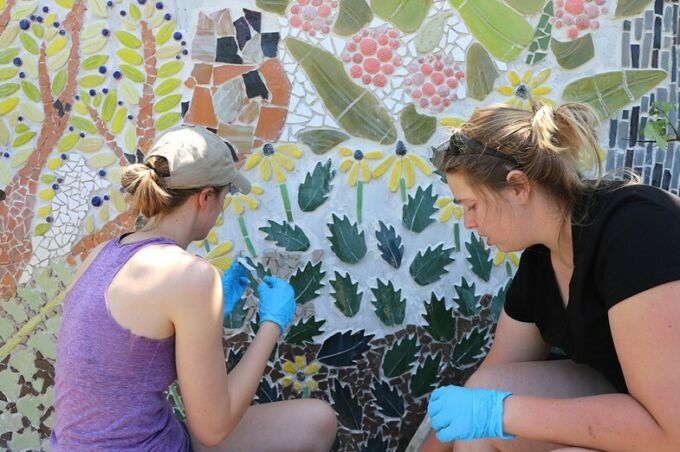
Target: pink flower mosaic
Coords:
[(371, 55), (578, 15), (433, 81), (313, 16)]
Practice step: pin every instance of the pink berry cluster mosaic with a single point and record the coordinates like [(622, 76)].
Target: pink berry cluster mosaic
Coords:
[(313, 16), (433, 81), (371, 55), (578, 15)]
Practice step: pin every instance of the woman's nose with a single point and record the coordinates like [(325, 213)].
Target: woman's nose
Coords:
[(469, 221)]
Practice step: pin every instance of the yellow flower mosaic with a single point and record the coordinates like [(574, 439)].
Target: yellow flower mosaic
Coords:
[(299, 374), (356, 163), (240, 202), (527, 90), (274, 160), (402, 162), (448, 208)]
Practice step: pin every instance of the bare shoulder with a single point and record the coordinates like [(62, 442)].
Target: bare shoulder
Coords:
[(176, 273)]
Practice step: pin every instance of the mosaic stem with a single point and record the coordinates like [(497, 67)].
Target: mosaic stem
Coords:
[(176, 398), (206, 245), (456, 236), (402, 190), (508, 268), (286, 202), (305, 392), (360, 199), (246, 237)]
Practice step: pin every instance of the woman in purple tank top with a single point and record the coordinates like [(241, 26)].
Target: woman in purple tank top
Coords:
[(142, 313)]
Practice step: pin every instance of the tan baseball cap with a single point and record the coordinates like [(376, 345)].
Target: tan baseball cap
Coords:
[(197, 158)]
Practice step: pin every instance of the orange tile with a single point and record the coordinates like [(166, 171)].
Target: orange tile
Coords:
[(201, 110), (239, 136), (190, 82), (226, 72), (271, 122), (202, 73), (274, 77)]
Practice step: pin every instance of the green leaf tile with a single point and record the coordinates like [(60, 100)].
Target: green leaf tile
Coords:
[(306, 281), (352, 17), (539, 45), (237, 316), (526, 7), (429, 266), (346, 294), (418, 210), (399, 359), (440, 321), (479, 257), (314, 191), (499, 28), (389, 306), (610, 91), (346, 241), (466, 299), (630, 7), (346, 404), (286, 236), (407, 15), (481, 72), (418, 129), (274, 6), (356, 109), (387, 399), (426, 377), (469, 349), (304, 331), (572, 54), (431, 34), (389, 244), (498, 300), (321, 140), (7, 89)]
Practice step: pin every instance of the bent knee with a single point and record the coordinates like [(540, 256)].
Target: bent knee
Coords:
[(490, 377), (323, 416)]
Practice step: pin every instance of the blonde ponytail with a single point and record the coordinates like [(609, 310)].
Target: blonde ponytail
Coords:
[(144, 183), (548, 143)]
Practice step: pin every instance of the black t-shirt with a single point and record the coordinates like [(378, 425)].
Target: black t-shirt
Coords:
[(628, 241)]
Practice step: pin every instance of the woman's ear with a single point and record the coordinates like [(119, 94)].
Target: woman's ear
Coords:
[(204, 196), (519, 183)]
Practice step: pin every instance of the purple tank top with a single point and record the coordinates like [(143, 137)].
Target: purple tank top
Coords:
[(109, 382)]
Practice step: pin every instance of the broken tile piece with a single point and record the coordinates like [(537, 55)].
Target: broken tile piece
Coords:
[(269, 43), (277, 83), (201, 110), (202, 73), (254, 18), (254, 85), (227, 50), (226, 72), (242, 31), (271, 123)]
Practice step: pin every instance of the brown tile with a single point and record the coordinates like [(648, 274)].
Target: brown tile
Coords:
[(226, 72), (274, 76), (190, 82), (225, 26), (203, 73), (205, 25), (271, 122), (241, 137), (201, 110), (250, 112)]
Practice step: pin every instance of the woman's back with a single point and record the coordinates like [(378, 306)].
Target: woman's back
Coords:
[(109, 381)]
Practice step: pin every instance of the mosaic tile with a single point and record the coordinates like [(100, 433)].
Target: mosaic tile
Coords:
[(243, 34), (229, 99), (227, 51)]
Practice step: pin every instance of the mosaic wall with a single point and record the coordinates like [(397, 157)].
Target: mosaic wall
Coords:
[(332, 108)]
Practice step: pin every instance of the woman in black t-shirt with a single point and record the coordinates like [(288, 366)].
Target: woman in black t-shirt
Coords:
[(599, 278)]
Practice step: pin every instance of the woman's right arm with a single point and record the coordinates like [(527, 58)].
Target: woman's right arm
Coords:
[(516, 341), (214, 402)]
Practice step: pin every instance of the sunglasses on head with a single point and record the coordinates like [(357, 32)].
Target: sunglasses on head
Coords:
[(458, 143)]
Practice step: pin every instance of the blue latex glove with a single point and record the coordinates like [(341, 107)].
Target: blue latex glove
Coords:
[(277, 301), (467, 413), (234, 282)]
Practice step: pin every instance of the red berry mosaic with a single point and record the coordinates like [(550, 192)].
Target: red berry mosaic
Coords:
[(578, 16), (371, 55), (313, 16), (433, 81)]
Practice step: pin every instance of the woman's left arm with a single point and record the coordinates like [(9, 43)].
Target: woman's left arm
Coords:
[(646, 333)]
